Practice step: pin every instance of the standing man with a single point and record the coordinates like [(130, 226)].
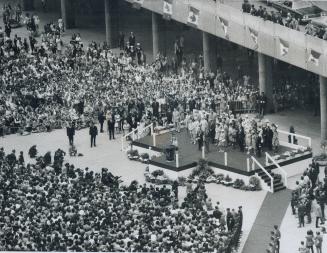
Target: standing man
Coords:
[(132, 39), (155, 109), (71, 133), (111, 125), (101, 119), (262, 105), (93, 133)]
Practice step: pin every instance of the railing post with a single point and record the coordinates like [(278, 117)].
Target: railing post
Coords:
[(203, 152), (154, 139), (177, 159), (133, 135), (248, 164), (266, 159), (122, 143), (292, 138), (225, 157), (309, 142)]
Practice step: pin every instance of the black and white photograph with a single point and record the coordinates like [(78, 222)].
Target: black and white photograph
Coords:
[(163, 126)]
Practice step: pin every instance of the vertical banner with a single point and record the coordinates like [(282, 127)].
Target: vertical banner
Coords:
[(254, 37), (224, 26), (193, 17), (167, 9), (314, 58), (283, 47), (137, 4)]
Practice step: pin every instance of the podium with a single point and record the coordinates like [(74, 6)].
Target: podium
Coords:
[(170, 153)]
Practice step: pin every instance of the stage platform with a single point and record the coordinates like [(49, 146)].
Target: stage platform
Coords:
[(189, 154)]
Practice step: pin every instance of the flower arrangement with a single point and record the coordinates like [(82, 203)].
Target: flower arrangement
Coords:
[(133, 154), (144, 158)]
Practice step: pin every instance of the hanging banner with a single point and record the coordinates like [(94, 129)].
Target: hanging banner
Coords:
[(254, 37), (137, 4), (284, 47), (314, 57), (167, 9), (193, 17), (224, 25)]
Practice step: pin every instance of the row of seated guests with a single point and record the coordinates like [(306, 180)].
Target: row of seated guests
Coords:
[(290, 21), (52, 206), (310, 196), (42, 88)]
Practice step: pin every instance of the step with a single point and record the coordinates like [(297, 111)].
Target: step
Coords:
[(279, 188), (261, 173)]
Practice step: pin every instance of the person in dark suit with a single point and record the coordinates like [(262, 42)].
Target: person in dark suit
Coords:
[(101, 119), (70, 134), (155, 108), (132, 39), (93, 133), (200, 140), (111, 125)]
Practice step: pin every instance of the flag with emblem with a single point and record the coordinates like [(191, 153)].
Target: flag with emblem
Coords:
[(283, 46), (224, 25), (193, 17), (254, 37), (314, 57), (167, 9), (138, 4)]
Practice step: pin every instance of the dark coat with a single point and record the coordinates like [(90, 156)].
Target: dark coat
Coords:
[(93, 131)]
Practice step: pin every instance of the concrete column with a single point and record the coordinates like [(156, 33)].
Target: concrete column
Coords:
[(206, 51), (266, 78), (155, 34), (323, 106), (108, 22), (63, 13), (209, 52)]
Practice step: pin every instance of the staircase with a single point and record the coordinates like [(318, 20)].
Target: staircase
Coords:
[(278, 184)]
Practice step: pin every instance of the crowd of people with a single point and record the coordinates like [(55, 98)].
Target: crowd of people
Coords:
[(48, 85), (51, 206), (274, 244), (310, 197), (289, 21)]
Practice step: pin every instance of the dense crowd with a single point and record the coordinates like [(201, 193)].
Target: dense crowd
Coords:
[(289, 21), (310, 196), (51, 206)]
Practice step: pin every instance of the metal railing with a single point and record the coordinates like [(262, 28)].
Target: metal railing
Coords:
[(136, 134), (301, 140), (284, 177), (255, 162)]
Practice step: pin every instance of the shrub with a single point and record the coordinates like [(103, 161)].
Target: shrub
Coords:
[(238, 183), (255, 182), (228, 178), (157, 173)]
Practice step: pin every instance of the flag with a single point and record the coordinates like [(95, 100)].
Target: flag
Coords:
[(224, 25), (254, 36), (314, 57), (284, 46), (167, 9), (138, 4), (193, 17)]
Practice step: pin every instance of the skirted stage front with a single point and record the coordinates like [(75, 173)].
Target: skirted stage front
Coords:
[(232, 161)]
